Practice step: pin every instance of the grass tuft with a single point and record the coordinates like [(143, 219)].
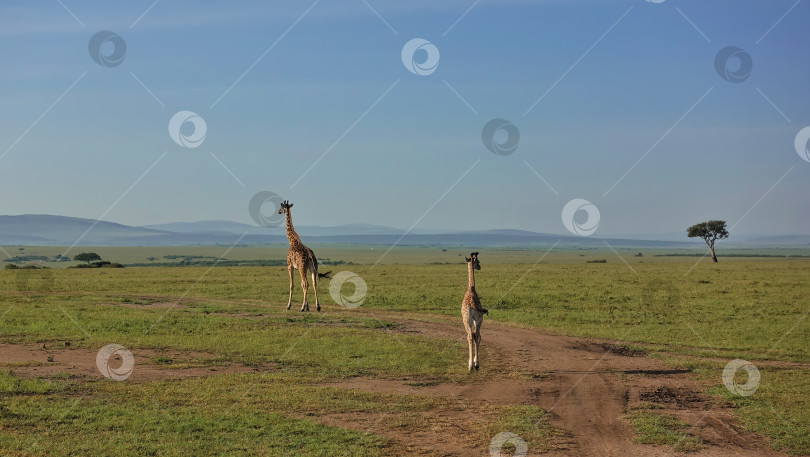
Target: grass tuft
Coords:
[(654, 427)]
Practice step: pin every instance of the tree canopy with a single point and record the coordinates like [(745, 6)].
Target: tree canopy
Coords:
[(86, 257), (710, 231)]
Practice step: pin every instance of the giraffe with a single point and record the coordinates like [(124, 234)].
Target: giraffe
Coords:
[(472, 313), (301, 258)]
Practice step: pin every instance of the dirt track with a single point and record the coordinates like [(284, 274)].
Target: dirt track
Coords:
[(585, 385), (58, 359)]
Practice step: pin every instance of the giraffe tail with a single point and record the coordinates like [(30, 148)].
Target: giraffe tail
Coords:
[(325, 275)]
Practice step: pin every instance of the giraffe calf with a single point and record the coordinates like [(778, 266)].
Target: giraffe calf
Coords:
[(472, 314)]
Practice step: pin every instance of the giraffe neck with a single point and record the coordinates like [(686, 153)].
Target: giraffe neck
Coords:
[(292, 236), (472, 275)]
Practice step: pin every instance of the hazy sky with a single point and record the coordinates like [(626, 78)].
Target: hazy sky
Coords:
[(314, 101)]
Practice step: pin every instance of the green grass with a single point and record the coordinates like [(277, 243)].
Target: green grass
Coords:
[(339, 346), (528, 422), (403, 255), (655, 427), (251, 414), (697, 319), (10, 384), (226, 415), (780, 408)]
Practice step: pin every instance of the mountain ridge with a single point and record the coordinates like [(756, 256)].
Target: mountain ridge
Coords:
[(54, 230)]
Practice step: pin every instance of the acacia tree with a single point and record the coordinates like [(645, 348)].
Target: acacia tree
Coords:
[(710, 231), (86, 257)]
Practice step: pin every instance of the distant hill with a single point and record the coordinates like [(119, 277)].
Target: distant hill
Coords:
[(785, 240), (47, 230), (41, 229), (212, 227), (217, 227)]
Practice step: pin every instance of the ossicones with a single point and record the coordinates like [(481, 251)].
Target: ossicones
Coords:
[(473, 254)]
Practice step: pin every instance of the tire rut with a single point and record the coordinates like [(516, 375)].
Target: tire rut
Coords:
[(587, 387)]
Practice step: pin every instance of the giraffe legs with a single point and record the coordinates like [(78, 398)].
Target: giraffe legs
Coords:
[(315, 289), (477, 341), (305, 287), (473, 341), (470, 343), (289, 301)]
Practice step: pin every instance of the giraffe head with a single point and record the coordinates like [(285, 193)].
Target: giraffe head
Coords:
[(474, 259), (285, 207)]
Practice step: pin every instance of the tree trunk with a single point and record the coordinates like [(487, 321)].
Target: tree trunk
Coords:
[(714, 256)]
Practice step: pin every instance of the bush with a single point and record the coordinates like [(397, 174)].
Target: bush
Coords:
[(86, 257), (12, 266), (26, 258), (99, 264)]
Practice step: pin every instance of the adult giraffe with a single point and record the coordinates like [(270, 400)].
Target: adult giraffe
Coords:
[(301, 258)]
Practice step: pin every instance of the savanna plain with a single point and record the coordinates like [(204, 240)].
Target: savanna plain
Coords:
[(579, 356)]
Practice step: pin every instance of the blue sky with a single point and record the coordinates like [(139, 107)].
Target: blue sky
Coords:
[(622, 79)]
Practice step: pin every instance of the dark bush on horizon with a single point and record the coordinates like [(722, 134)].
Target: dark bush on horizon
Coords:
[(12, 266), (99, 264)]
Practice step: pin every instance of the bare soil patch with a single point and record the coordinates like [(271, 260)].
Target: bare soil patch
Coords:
[(155, 305), (587, 386), (34, 361), (676, 397)]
